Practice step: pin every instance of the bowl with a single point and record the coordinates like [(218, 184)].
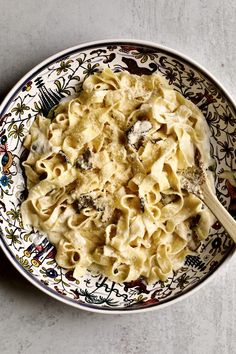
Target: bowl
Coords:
[(43, 87)]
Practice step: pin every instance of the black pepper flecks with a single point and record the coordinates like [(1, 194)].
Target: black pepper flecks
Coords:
[(85, 201), (84, 161), (137, 132), (99, 204), (142, 204)]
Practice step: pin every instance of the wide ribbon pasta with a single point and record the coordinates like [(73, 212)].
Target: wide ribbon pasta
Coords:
[(103, 175)]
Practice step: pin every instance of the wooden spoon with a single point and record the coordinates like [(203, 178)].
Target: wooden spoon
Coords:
[(195, 182)]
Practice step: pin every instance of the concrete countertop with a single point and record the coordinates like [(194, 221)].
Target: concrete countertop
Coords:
[(32, 322)]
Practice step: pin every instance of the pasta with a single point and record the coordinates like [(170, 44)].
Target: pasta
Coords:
[(103, 176)]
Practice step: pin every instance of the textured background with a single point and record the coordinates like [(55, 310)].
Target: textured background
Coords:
[(31, 322)]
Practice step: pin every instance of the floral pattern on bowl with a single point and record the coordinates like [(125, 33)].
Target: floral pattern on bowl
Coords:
[(43, 88)]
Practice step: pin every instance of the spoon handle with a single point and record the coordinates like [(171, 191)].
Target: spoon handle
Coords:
[(219, 211)]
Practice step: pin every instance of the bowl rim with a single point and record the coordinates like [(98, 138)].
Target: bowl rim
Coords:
[(6, 250)]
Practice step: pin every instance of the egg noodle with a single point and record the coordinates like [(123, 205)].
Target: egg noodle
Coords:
[(103, 176)]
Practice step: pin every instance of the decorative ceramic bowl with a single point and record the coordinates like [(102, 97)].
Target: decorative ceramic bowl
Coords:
[(43, 87)]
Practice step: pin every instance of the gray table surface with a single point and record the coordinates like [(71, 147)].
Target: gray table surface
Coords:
[(32, 322)]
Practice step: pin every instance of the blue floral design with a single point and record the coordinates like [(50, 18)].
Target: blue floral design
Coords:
[(51, 273), (4, 181)]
